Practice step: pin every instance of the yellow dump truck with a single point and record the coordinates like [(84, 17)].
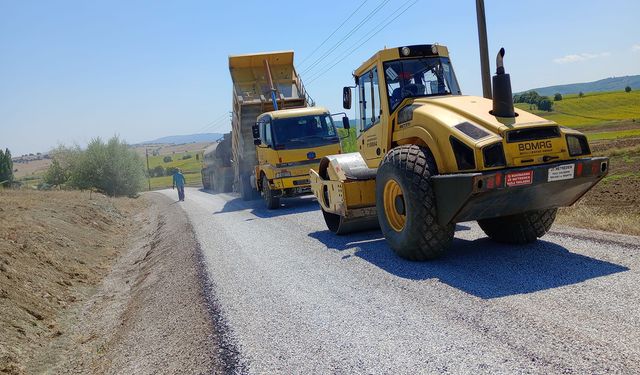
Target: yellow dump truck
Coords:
[(276, 133), (289, 142), (430, 157)]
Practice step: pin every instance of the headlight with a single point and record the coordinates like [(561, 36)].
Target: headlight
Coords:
[(578, 145), (493, 156), (283, 174), (463, 153)]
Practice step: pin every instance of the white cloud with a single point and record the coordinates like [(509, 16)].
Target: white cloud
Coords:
[(580, 57), (635, 48)]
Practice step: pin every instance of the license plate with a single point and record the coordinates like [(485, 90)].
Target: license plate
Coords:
[(561, 172), (519, 178)]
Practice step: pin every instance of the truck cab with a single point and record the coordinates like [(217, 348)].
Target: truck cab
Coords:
[(289, 143)]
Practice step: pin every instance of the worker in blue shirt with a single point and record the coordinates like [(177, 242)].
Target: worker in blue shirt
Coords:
[(178, 180)]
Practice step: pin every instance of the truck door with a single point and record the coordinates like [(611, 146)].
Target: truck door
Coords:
[(370, 142), (266, 148)]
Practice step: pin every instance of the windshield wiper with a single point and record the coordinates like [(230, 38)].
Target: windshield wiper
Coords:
[(313, 136)]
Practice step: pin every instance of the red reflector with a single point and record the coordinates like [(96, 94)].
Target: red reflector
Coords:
[(594, 168), (490, 183), (578, 169), (498, 179)]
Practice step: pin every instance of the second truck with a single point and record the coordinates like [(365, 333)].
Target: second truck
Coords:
[(277, 134)]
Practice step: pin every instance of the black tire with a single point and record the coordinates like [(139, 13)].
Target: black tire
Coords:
[(521, 228), (205, 182), (246, 191), (270, 199), (227, 181), (215, 182), (421, 237)]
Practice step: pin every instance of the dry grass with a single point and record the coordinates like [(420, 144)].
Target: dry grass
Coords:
[(55, 246), (589, 217)]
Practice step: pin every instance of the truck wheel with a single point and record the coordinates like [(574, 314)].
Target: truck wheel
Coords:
[(205, 182), (218, 182), (246, 191), (212, 184), (521, 228), (227, 182), (406, 204), (270, 199)]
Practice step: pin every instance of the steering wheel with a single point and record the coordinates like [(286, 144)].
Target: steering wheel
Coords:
[(409, 90)]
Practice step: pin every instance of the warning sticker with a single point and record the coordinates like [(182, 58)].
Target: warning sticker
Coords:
[(519, 178), (391, 74), (561, 172)]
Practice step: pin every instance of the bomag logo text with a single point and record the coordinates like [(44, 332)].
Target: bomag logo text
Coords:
[(535, 146)]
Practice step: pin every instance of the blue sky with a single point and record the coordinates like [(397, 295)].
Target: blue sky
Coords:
[(74, 70)]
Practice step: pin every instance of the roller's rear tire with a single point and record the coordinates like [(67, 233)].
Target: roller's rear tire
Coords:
[(406, 204), (521, 228)]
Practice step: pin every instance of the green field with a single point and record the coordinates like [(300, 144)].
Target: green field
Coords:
[(190, 168), (592, 109), (348, 143), (599, 136)]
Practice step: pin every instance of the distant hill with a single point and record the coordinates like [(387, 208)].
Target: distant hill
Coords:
[(607, 84), (190, 138)]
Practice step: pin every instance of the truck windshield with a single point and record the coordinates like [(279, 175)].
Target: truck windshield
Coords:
[(303, 132), (427, 76)]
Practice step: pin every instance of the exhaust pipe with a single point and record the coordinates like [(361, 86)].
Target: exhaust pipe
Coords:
[(502, 96)]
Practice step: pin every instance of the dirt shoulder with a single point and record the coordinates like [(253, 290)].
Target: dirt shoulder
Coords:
[(101, 286), (613, 205)]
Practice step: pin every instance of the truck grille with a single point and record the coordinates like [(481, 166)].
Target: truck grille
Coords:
[(532, 134), (301, 182)]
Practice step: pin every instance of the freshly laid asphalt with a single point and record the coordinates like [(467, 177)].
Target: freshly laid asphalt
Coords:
[(297, 299)]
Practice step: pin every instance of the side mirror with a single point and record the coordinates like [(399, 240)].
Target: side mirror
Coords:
[(346, 97), (345, 123), (257, 142), (256, 131)]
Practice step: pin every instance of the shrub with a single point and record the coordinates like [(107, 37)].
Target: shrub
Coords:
[(580, 94), (56, 174), (557, 97), (170, 171), (186, 156), (627, 89), (157, 171), (112, 168), (545, 104), (167, 159)]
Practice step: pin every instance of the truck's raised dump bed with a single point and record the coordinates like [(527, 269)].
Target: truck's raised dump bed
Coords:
[(252, 76)]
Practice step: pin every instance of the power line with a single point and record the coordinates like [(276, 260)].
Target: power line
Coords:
[(210, 123), (217, 125), (355, 47), (333, 33), (346, 37)]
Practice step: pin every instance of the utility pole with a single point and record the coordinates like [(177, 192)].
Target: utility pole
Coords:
[(484, 50), (146, 152)]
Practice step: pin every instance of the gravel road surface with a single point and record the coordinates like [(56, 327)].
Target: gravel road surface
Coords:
[(297, 299)]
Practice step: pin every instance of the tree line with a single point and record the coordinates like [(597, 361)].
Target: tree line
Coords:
[(543, 103)]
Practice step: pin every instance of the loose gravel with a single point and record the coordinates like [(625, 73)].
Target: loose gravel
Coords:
[(297, 299)]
